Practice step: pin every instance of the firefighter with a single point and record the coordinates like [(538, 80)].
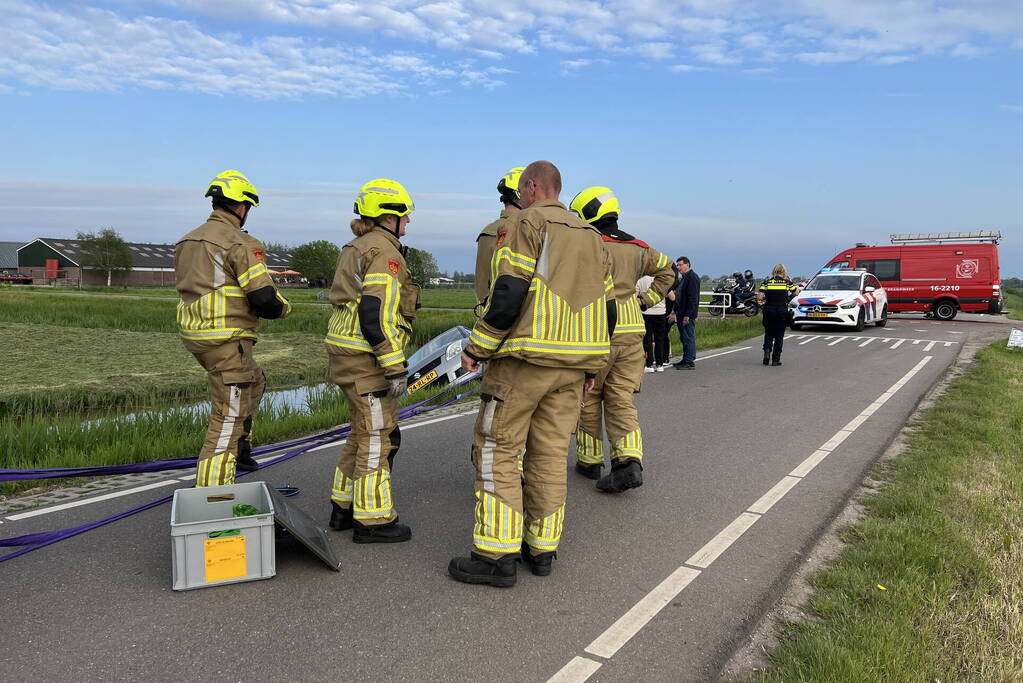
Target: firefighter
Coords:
[(774, 294), (508, 189), (611, 401), (225, 288), (544, 334), (374, 302)]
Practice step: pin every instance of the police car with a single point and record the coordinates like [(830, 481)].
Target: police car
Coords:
[(847, 297)]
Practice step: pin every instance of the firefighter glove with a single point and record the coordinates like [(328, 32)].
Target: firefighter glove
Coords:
[(398, 384)]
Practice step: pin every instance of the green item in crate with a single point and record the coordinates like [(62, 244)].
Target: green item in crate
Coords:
[(237, 510), (244, 510)]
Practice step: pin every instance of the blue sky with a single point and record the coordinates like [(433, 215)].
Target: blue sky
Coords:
[(740, 133)]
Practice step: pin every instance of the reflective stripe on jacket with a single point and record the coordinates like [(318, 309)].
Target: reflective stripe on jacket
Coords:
[(372, 279), (216, 266), (564, 284)]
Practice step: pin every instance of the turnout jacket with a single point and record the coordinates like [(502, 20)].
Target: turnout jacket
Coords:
[(631, 259), (374, 300), (223, 283), (777, 291), (551, 302), (485, 245)]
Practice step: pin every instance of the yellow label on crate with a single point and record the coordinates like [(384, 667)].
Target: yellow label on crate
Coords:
[(225, 558)]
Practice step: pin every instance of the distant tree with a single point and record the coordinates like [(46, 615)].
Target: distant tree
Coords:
[(278, 246), (315, 260), (1012, 283), (422, 264), (106, 251)]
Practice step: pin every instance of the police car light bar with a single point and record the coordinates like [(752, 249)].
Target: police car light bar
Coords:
[(941, 237)]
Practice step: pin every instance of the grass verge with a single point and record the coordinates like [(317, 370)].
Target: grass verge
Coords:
[(944, 537), (1014, 303)]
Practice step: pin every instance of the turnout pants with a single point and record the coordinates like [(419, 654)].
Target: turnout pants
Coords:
[(532, 407), (775, 320), (362, 478), (611, 403), (236, 385)]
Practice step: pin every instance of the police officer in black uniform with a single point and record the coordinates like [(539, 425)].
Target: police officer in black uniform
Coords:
[(774, 296)]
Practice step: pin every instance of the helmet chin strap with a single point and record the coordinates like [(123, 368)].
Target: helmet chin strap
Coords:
[(394, 232)]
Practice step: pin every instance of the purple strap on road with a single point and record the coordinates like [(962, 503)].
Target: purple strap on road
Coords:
[(41, 540), (185, 463)]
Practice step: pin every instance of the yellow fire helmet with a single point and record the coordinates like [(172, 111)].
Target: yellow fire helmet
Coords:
[(381, 196), (508, 185), (594, 203), (231, 184)]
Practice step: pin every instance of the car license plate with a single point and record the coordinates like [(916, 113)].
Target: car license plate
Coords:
[(817, 315), (422, 382)]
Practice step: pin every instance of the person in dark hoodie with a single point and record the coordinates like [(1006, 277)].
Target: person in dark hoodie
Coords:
[(610, 402), (687, 302)]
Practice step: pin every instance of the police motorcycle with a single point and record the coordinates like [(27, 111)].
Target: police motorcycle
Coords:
[(742, 299), (438, 363)]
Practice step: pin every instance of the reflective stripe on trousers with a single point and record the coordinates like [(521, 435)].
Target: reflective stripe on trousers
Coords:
[(589, 449)]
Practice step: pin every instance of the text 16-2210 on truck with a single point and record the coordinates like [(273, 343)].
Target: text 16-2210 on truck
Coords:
[(938, 273)]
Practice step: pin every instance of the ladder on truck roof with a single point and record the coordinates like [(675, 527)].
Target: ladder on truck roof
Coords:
[(940, 237)]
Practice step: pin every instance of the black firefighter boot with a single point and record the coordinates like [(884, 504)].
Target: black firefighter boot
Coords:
[(591, 471), (625, 474), (244, 462), (340, 518), (480, 569), (392, 532), (540, 564)]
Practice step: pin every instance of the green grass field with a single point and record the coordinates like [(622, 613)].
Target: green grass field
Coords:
[(1014, 303), (930, 587)]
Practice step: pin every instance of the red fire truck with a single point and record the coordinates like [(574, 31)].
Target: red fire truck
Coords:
[(939, 273)]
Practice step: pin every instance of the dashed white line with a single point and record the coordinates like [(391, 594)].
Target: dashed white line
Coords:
[(768, 500), (840, 339), (869, 339), (703, 557), (611, 640), (576, 671), (897, 344), (929, 346), (807, 341), (621, 631)]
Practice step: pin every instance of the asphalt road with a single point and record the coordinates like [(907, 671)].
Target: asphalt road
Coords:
[(745, 466)]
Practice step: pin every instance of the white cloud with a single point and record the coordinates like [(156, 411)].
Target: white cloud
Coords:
[(1014, 108), (687, 68), (348, 47)]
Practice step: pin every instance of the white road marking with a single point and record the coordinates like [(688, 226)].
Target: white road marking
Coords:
[(804, 467), (622, 630), (840, 339), (917, 341), (929, 346), (76, 503), (774, 495), (915, 330), (953, 333), (576, 671), (897, 344), (869, 339), (191, 477), (724, 353), (703, 557), (807, 341), (611, 640)]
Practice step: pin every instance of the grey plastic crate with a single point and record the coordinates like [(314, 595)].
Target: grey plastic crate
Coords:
[(195, 513)]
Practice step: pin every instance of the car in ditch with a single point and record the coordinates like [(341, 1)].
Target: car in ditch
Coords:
[(847, 298), (439, 362)]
